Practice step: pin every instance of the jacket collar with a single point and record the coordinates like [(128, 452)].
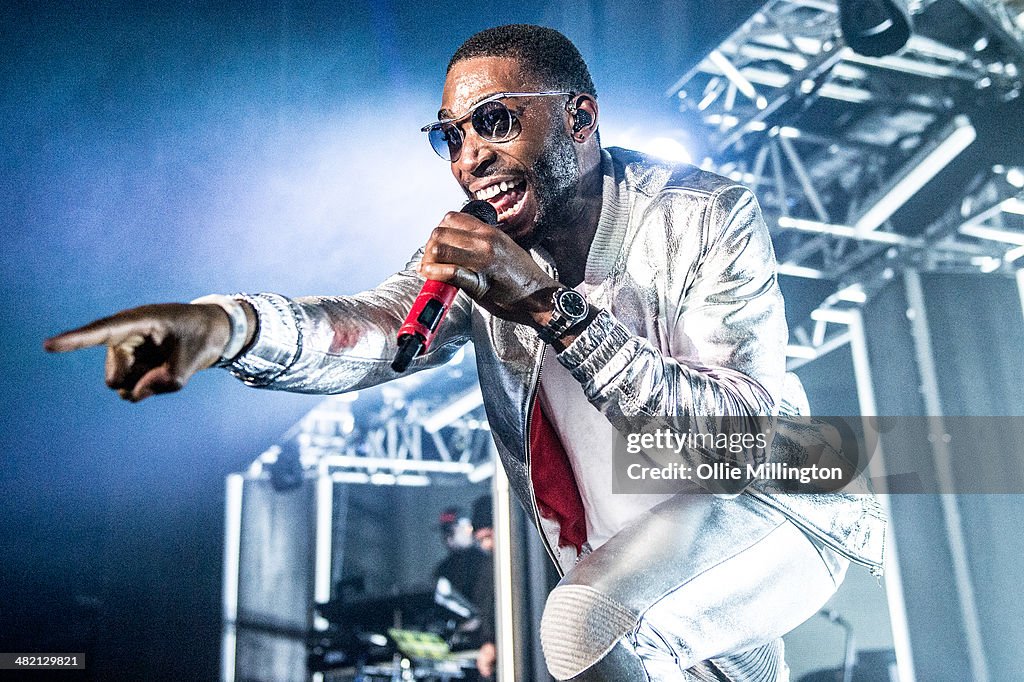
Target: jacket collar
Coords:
[(611, 226)]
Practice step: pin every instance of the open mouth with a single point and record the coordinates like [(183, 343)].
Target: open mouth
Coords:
[(507, 197)]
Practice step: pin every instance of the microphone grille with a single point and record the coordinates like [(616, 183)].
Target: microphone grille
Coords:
[(482, 211)]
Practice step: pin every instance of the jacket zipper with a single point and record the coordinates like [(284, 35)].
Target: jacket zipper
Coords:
[(526, 447), (875, 568)]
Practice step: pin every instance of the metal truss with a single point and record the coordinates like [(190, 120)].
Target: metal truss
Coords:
[(970, 237), (424, 429), (837, 146), (834, 143), (827, 330)]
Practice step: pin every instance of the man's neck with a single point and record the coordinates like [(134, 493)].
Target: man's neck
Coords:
[(569, 248)]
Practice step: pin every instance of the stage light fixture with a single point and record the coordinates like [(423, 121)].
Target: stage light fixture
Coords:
[(986, 264), (874, 28)]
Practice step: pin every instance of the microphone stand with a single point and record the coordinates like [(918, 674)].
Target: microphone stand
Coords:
[(850, 657)]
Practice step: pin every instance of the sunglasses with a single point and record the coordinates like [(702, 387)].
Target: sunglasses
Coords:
[(490, 118)]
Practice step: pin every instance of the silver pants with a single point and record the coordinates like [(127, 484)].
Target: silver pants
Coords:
[(697, 588)]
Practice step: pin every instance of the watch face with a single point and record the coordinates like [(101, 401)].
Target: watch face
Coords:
[(573, 303)]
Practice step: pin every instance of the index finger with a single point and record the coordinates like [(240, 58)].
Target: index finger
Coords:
[(107, 330), (467, 222)]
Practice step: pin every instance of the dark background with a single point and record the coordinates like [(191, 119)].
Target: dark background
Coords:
[(162, 151)]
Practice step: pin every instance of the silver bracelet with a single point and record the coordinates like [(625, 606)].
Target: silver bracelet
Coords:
[(239, 324)]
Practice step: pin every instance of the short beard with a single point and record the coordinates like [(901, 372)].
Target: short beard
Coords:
[(556, 181)]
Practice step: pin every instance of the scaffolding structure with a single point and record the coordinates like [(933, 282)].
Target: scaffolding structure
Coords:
[(838, 146), (425, 429)]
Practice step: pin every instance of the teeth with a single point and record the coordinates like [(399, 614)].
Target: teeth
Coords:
[(511, 210), (494, 190)]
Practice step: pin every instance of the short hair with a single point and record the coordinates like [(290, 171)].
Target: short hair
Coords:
[(483, 512), (543, 52)]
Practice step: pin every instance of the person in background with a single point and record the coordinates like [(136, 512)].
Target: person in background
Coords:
[(460, 566), (469, 568), (483, 594)]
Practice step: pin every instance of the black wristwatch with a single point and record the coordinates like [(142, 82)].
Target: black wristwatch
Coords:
[(570, 309)]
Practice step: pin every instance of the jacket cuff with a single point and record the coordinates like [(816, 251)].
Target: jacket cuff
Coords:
[(598, 351), (277, 344)]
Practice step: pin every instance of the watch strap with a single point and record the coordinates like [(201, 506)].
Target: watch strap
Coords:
[(560, 323)]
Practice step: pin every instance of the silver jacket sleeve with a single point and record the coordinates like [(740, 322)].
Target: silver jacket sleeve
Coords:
[(332, 344)]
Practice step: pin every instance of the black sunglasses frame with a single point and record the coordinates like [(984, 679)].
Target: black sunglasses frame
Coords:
[(446, 137)]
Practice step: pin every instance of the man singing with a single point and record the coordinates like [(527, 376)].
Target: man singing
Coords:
[(615, 292)]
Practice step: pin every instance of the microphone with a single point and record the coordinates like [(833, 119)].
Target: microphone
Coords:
[(432, 304)]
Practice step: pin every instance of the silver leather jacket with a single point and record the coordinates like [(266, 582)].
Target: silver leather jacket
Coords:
[(692, 324)]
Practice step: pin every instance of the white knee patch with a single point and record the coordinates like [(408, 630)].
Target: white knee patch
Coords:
[(579, 626)]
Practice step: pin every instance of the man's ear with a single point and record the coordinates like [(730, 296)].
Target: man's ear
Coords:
[(583, 113)]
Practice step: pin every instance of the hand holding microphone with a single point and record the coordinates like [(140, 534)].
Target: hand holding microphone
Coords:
[(432, 304), (485, 262)]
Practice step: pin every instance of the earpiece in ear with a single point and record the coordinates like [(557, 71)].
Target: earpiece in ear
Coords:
[(582, 120)]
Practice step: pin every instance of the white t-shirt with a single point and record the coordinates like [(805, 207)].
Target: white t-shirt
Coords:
[(586, 436)]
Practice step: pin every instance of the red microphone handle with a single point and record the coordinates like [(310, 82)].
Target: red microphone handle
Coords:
[(428, 311), (432, 303)]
